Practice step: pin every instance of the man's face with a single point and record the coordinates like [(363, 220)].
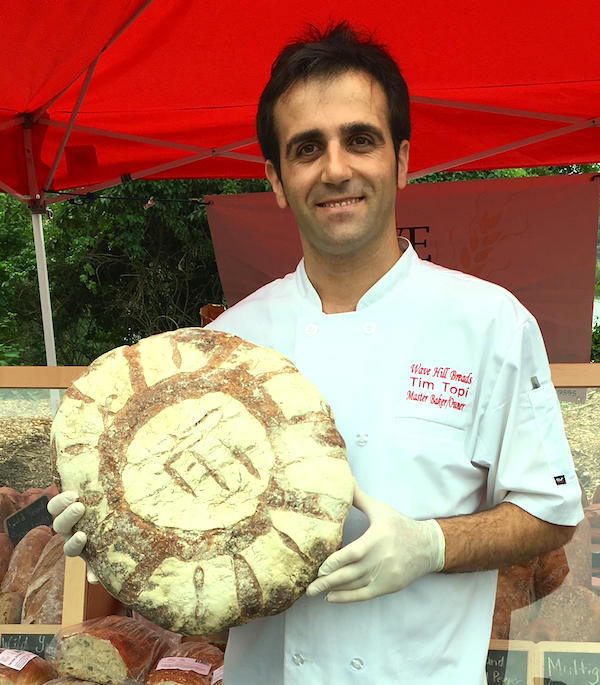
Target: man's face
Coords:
[(338, 168)]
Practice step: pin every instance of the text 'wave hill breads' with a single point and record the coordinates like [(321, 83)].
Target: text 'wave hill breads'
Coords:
[(214, 478)]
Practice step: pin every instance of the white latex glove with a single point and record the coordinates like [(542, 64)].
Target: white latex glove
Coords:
[(393, 553), (67, 511)]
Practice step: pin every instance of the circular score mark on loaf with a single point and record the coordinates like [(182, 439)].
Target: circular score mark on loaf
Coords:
[(214, 479)]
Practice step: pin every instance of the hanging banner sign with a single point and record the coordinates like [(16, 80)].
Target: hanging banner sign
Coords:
[(534, 236)]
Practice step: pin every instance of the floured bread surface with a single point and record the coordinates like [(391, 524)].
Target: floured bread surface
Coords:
[(214, 479)]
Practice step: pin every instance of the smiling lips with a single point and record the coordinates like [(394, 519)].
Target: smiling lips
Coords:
[(341, 203)]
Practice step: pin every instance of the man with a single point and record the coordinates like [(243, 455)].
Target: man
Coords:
[(439, 384)]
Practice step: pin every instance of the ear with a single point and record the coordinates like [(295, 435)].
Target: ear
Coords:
[(403, 164), (276, 184)]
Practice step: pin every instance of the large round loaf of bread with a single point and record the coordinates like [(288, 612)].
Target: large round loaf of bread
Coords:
[(214, 479)]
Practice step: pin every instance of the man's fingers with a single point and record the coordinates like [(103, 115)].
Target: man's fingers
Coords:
[(339, 579), (344, 596), (350, 554), (61, 501), (63, 523), (74, 545), (370, 507), (67, 512)]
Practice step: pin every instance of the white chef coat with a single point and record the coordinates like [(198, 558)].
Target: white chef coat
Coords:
[(433, 382)]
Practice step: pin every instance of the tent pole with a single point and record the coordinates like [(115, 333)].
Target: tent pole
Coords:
[(44, 287)]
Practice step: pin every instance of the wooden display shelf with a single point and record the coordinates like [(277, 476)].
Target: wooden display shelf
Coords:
[(82, 601), (53, 377), (60, 377)]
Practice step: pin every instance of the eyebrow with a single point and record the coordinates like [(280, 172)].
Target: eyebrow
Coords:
[(347, 130)]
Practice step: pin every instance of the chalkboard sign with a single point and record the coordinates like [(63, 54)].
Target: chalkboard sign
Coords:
[(507, 667), (26, 643), (31, 516), (572, 668)]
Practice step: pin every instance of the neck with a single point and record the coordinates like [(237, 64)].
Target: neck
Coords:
[(341, 280)]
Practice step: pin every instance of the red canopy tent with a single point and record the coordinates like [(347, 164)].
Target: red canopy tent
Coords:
[(95, 93)]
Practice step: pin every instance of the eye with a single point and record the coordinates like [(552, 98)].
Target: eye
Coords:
[(306, 150), (361, 141)]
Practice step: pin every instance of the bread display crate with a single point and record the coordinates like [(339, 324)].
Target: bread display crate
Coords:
[(578, 662), (515, 662), (81, 600)]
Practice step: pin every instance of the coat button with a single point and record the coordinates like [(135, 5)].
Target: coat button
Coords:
[(369, 328), (298, 659), (311, 330), (357, 664), (362, 439)]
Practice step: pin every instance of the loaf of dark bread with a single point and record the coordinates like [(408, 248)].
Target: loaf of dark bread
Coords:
[(214, 479), (540, 630), (24, 559), (6, 550), (44, 598), (10, 503), (575, 612), (513, 591), (111, 651), (11, 604), (190, 663)]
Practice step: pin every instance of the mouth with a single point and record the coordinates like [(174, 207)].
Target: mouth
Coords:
[(341, 203)]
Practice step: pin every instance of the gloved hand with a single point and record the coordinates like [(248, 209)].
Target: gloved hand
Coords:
[(67, 512), (393, 552)]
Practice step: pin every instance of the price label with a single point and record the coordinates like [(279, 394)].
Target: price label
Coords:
[(15, 659), (507, 667), (574, 668), (574, 395), (33, 515)]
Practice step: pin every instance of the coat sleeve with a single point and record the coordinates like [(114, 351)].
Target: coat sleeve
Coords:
[(521, 438)]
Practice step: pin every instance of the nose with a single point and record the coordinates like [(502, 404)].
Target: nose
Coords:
[(336, 165)]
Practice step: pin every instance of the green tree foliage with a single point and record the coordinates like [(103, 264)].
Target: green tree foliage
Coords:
[(595, 354), (117, 272), (19, 299)]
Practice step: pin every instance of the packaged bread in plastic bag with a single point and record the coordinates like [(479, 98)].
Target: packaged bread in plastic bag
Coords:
[(23, 668), (114, 650), (190, 663)]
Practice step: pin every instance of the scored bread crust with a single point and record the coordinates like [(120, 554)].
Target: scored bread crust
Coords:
[(214, 479)]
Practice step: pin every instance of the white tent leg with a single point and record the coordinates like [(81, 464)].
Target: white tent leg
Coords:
[(44, 286)]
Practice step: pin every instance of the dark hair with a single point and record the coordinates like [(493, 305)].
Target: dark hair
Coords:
[(336, 50)]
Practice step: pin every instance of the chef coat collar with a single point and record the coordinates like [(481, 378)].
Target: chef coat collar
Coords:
[(398, 273)]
